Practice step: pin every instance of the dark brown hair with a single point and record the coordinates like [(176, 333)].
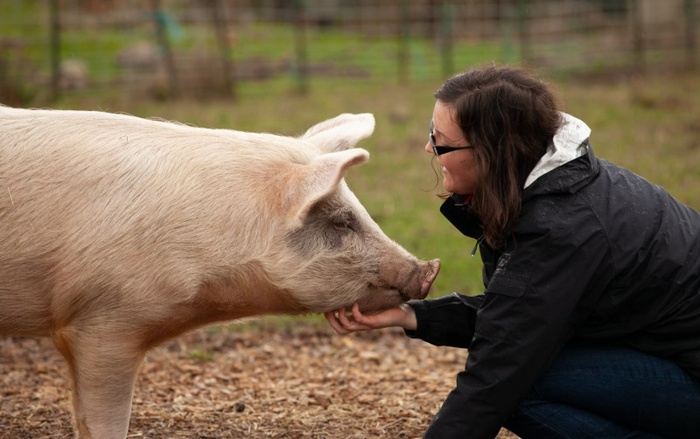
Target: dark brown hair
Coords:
[(509, 116)]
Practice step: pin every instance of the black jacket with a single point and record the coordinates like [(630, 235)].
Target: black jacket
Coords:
[(598, 256)]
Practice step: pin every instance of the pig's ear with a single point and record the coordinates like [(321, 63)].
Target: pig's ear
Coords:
[(321, 179), (340, 133)]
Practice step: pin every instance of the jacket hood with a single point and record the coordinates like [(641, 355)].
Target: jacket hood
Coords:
[(569, 143)]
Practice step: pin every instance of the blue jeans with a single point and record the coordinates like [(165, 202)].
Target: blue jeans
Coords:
[(610, 392)]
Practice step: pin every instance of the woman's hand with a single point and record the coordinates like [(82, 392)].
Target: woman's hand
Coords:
[(403, 316)]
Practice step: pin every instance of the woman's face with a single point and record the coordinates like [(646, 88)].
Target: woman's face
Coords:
[(458, 167)]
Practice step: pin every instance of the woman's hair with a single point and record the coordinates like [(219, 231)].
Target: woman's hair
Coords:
[(509, 117)]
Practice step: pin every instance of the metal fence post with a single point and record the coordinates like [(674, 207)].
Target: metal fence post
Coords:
[(690, 44), (301, 71), (521, 14), (446, 11), (404, 49), (164, 43), (637, 33), (224, 47), (55, 45)]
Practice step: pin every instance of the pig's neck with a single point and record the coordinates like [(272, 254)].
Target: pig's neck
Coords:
[(222, 299)]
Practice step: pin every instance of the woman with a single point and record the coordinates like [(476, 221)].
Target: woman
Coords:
[(589, 325)]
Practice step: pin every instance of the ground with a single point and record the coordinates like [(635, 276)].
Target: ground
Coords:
[(260, 380)]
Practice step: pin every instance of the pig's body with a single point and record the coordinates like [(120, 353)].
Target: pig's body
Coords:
[(117, 233)]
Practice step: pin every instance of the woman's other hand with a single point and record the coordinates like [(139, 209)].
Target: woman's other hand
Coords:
[(344, 323)]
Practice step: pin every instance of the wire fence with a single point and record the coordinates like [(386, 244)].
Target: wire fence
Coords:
[(204, 48)]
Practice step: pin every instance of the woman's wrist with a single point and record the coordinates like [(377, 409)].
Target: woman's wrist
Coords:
[(410, 322)]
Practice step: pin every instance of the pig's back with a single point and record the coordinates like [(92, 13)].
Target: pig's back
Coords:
[(84, 196)]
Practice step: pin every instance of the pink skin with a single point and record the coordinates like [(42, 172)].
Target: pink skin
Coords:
[(344, 323), (458, 167), (459, 171)]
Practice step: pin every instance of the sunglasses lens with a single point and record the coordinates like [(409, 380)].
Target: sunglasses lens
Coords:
[(439, 150)]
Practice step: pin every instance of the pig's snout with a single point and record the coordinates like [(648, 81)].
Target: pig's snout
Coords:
[(423, 276), (406, 285)]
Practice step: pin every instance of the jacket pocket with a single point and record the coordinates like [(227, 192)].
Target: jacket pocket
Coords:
[(508, 282)]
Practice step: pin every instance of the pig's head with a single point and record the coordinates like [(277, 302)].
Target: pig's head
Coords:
[(331, 253)]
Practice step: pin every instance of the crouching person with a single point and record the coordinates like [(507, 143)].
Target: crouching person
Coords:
[(589, 326)]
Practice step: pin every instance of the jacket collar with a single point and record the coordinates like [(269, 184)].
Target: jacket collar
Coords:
[(566, 145), (461, 216), (568, 178)]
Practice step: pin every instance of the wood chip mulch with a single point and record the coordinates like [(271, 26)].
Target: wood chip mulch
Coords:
[(258, 380)]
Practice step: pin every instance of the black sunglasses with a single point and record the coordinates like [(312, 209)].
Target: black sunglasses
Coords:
[(439, 150)]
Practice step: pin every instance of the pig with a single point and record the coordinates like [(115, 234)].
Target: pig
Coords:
[(118, 233)]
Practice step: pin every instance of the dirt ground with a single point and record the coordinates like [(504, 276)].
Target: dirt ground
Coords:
[(262, 380)]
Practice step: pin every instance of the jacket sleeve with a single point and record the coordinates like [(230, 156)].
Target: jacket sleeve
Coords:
[(539, 292), (447, 321)]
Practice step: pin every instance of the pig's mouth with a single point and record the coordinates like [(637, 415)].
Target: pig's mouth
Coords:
[(403, 296), (384, 297), (391, 291)]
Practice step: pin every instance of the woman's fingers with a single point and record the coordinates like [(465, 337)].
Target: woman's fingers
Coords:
[(332, 319), (343, 318), (349, 321), (345, 322), (356, 314)]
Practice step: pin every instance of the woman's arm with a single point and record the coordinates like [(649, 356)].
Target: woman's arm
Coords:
[(446, 321)]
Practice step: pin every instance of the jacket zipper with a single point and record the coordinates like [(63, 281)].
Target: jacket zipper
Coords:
[(476, 246)]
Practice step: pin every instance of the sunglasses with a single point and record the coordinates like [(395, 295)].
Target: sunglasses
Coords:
[(439, 150)]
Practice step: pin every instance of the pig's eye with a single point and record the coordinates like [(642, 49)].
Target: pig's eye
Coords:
[(344, 223), (341, 224)]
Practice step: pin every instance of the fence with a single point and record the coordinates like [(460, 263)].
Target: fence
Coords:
[(164, 48)]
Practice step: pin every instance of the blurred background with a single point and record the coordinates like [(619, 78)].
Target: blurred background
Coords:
[(626, 67), (215, 48)]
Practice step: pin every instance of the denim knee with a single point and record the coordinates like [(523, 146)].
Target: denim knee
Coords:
[(610, 392)]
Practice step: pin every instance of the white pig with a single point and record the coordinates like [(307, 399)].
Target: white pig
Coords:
[(117, 233)]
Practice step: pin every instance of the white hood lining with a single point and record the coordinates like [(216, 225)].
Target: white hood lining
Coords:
[(566, 146)]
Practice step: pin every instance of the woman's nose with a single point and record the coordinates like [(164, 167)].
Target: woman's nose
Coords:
[(428, 148)]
